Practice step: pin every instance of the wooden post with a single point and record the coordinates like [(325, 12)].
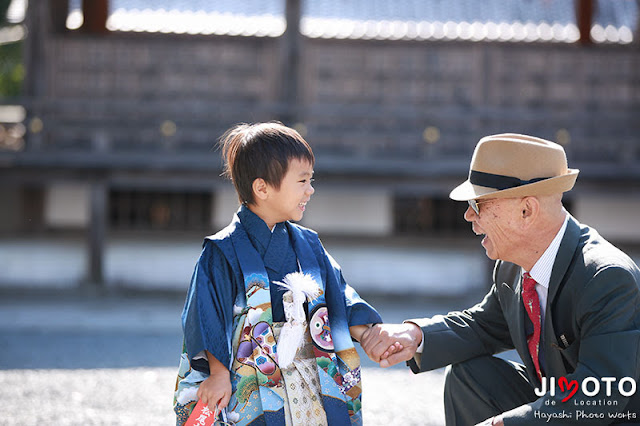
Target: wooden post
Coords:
[(95, 14), (97, 231), (59, 13), (636, 36), (38, 20), (584, 17), (290, 61), (34, 54)]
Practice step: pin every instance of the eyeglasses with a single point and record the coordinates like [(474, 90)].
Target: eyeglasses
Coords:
[(474, 205)]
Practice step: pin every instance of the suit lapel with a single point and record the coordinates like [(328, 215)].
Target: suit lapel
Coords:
[(510, 283), (521, 319), (563, 258), (553, 359)]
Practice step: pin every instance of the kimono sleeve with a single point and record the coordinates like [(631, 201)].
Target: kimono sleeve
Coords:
[(359, 312), (207, 318)]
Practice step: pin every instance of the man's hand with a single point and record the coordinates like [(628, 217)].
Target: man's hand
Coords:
[(215, 391), (493, 421), (378, 340)]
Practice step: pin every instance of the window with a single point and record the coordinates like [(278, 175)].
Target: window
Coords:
[(151, 210), (425, 216)]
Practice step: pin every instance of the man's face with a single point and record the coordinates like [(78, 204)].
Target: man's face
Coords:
[(498, 221)]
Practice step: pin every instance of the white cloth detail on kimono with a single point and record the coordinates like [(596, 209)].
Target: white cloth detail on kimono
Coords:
[(187, 395), (301, 287), (303, 405), (191, 384), (304, 401), (253, 316)]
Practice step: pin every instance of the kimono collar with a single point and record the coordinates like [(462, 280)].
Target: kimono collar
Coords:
[(270, 245), (256, 227)]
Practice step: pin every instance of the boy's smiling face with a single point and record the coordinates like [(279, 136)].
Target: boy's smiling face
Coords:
[(289, 201)]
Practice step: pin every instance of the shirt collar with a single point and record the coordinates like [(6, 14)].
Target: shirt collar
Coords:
[(541, 271)]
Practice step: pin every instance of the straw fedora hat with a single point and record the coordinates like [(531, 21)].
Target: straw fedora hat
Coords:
[(512, 165)]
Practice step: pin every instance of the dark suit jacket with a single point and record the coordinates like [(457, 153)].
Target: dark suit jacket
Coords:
[(591, 327)]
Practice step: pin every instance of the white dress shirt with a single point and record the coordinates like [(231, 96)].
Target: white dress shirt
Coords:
[(541, 271)]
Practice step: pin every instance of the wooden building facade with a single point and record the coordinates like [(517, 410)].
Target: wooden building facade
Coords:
[(121, 127)]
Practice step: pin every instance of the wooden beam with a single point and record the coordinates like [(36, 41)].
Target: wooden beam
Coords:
[(636, 36), (59, 13), (97, 232), (95, 14), (290, 61), (584, 17), (38, 21)]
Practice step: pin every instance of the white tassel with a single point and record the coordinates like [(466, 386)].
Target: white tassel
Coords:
[(301, 287)]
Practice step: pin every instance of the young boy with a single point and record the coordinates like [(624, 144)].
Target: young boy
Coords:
[(269, 320)]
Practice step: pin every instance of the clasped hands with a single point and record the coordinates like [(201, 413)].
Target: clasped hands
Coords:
[(390, 344)]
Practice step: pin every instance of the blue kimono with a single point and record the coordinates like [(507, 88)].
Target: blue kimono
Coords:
[(219, 291)]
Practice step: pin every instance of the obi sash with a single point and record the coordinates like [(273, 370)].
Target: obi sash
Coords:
[(257, 383)]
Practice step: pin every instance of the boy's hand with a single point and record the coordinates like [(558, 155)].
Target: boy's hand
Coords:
[(215, 391), (358, 332), (394, 348), (377, 341)]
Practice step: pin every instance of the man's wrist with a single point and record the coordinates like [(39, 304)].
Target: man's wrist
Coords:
[(493, 421)]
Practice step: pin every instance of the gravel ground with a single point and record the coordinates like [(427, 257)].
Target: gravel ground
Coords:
[(143, 396), (69, 359)]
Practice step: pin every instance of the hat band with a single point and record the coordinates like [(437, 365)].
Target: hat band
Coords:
[(500, 182)]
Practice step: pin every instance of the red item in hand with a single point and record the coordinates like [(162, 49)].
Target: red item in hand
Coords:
[(201, 416)]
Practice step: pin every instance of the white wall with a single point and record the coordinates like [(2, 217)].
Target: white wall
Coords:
[(615, 217), (225, 204), (428, 270), (333, 211), (353, 212), (55, 262), (42, 262), (67, 205)]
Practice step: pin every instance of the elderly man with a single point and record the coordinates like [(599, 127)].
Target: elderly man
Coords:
[(566, 299)]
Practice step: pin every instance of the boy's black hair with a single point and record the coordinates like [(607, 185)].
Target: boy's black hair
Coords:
[(261, 150)]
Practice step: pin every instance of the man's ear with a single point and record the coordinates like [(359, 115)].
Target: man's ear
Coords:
[(260, 189), (530, 208)]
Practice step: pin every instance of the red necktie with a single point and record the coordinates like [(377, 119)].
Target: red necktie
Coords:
[(532, 306)]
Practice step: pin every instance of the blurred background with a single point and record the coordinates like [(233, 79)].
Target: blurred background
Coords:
[(110, 177), (111, 110)]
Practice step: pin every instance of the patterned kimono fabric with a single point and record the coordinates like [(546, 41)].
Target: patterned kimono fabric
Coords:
[(322, 385), (303, 405)]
